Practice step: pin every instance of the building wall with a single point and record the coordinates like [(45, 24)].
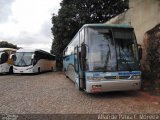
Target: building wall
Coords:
[(143, 15)]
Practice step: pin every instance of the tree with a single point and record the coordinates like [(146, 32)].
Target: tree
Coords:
[(75, 13), (5, 44)]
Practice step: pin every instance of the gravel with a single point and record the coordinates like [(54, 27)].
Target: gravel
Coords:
[(53, 93)]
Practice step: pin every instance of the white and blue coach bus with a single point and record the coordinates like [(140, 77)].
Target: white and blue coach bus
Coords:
[(104, 57), (33, 61)]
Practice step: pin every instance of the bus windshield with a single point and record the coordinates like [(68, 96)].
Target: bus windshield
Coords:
[(23, 59), (126, 48), (111, 50)]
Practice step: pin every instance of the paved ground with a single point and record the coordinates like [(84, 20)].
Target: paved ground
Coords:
[(52, 92)]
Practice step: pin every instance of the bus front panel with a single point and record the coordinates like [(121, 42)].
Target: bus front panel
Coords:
[(112, 81)]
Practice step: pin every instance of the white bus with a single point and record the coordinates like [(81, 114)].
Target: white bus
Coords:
[(104, 57), (33, 61), (6, 61)]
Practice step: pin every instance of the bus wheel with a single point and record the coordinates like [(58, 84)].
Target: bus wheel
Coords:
[(11, 70), (51, 69), (66, 76), (39, 70)]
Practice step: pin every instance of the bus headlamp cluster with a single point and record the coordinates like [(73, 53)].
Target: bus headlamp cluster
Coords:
[(136, 77), (14, 68), (95, 78), (29, 68)]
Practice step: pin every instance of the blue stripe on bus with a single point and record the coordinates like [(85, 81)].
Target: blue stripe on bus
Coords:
[(101, 74)]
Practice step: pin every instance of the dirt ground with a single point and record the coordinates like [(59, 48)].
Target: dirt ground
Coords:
[(53, 93)]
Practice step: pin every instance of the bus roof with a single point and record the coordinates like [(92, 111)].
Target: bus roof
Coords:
[(102, 25), (32, 50), (7, 49), (108, 25), (27, 50)]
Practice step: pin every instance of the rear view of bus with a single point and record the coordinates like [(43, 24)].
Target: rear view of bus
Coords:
[(6, 60), (33, 61), (104, 57)]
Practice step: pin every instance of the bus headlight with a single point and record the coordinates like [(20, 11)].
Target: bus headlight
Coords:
[(95, 78), (14, 68), (136, 77), (29, 68)]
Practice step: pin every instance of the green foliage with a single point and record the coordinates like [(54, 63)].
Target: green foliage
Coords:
[(73, 14), (5, 44)]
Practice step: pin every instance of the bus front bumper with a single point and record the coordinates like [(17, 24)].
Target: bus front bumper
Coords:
[(108, 86), (22, 70)]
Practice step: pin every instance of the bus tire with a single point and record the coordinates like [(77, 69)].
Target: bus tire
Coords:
[(51, 69), (11, 70), (39, 70), (66, 76)]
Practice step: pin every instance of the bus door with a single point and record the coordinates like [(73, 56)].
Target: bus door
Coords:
[(76, 67)]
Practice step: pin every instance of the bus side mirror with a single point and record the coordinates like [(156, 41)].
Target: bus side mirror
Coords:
[(140, 53), (83, 56), (12, 56), (83, 51)]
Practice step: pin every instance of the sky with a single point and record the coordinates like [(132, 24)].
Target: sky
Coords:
[(27, 23)]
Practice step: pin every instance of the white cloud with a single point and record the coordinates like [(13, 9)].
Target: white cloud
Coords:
[(5, 9), (30, 23)]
